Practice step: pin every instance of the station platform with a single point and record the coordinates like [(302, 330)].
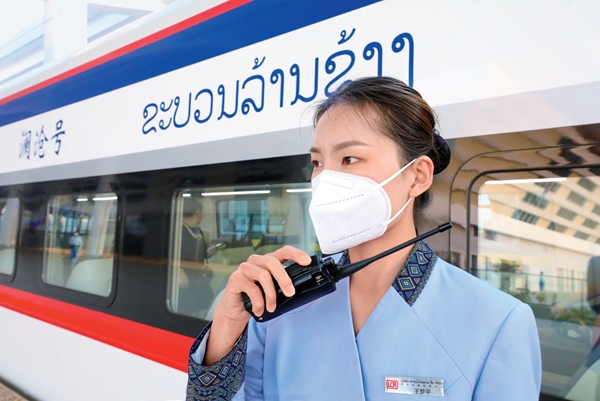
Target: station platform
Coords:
[(6, 394)]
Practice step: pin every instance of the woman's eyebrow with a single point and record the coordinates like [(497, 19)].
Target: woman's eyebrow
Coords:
[(342, 145)]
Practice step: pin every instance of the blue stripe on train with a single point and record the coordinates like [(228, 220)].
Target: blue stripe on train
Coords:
[(243, 26)]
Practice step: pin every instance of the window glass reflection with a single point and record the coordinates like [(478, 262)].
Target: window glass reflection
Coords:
[(538, 240), (9, 223), (214, 230), (79, 242)]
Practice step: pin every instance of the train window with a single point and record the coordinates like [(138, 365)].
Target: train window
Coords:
[(79, 242), (9, 221), (546, 251), (214, 230)]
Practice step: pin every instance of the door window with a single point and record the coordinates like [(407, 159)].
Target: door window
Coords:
[(538, 239)]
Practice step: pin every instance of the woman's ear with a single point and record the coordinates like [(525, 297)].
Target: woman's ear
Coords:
[(423, 170)]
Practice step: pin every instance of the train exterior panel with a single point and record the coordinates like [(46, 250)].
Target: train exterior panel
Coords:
[(211, 101)]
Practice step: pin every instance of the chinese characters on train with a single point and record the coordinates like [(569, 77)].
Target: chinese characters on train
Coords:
[(40, 143), (228, 100)]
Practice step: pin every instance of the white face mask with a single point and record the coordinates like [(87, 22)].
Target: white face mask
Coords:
[(347, 209)]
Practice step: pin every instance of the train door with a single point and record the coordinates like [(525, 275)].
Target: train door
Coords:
[(532, 224)]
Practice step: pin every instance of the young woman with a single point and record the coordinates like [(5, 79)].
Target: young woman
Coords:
[(406, 326)]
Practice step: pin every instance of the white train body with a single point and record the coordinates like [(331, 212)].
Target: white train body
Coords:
[(220, 83)]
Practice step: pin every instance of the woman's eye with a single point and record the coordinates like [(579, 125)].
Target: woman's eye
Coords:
[(350, 160), (316, 163)]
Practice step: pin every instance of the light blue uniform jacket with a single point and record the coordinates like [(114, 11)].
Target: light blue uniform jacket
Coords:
[(482, 342)]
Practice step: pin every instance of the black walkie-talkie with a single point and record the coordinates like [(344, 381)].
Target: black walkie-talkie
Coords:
[(320, 278)]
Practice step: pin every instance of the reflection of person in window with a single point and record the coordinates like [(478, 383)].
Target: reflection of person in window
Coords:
[(195, 293), (75, 242), (593, 295)]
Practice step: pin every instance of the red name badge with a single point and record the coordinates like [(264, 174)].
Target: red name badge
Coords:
[(391, 384)]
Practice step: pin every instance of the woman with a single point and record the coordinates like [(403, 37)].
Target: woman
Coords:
[(407, 325)]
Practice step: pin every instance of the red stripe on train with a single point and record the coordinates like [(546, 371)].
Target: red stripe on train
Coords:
[(162, 346), (196, 19)]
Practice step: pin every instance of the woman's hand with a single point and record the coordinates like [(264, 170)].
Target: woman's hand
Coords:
[(230, 317)]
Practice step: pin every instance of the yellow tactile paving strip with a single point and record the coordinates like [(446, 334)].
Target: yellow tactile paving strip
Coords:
[(7, 394)]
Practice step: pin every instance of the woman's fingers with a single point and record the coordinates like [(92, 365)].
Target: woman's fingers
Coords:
[(232, 303), (249, 287), (263, 275), (273, 267), (260, 271), (290, 253), (283, 255)]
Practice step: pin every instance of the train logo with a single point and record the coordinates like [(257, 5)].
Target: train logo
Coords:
[(391, 384)]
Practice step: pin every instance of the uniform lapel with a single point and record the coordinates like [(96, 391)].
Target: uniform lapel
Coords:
[(395, 342), (315, 352)]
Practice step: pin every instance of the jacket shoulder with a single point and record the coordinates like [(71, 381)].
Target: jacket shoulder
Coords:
[(465, 313), (464, 287)]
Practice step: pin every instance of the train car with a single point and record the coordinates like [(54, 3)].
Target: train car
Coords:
[(136, 175)]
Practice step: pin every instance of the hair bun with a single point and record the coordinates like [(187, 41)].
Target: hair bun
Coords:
[(440, 154)]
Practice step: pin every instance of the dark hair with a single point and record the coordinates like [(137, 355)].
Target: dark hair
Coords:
[(402, 115), (191, 206)]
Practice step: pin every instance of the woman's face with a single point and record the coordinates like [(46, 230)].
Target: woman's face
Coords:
[(348, 142)]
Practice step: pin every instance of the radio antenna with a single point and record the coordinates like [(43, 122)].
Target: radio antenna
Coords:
[(354, 267)]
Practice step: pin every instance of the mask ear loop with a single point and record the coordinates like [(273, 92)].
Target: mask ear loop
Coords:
[(396, 174), (397, 214)]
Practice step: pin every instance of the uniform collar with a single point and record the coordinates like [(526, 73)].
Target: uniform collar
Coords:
[(412, 277)]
